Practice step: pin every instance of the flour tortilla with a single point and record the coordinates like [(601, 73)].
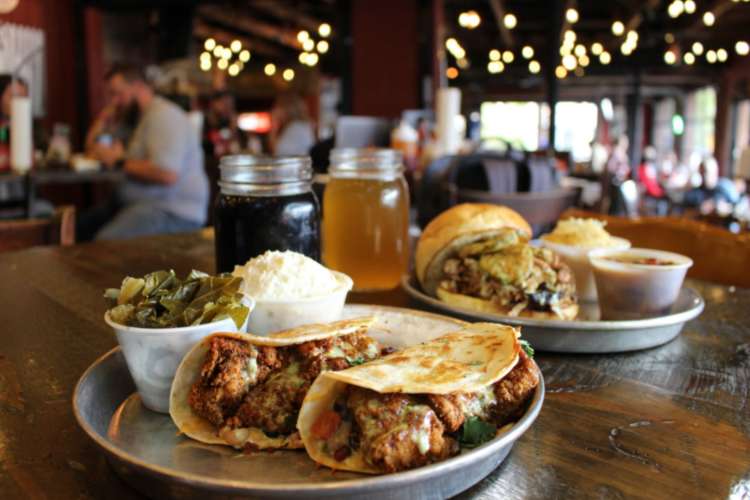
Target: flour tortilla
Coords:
[(188, 373), (466, 360)]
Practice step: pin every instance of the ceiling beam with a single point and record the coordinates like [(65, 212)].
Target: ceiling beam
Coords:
[(498, 9), (288, 14), (250, 26)]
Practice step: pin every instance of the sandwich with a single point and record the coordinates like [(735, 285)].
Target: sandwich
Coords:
[(245, 391), (478, 256), (420, 405)]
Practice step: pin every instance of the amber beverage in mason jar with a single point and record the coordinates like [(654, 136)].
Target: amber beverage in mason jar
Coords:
[(366, 217)]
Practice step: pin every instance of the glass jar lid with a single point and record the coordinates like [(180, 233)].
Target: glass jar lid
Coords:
[(257, 169), (353, 160)]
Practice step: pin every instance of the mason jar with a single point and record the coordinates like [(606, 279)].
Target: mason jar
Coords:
[(366, 217), (265, 203)]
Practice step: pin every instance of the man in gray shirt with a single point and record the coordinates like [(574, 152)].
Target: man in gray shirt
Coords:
[(166, 190)]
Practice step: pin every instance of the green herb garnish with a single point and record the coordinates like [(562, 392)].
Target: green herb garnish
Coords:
[(527, 348), (475, 432), (355, 361)]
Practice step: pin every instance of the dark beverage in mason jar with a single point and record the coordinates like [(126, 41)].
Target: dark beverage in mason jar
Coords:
[(265, 203)]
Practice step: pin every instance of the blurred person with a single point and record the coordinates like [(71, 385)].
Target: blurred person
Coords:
[(291, 128), (221, 135), (616, 172), (648, 176), (166, 189)]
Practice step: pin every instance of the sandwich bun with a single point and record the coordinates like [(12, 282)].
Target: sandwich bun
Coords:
[(456, 227), (568, 312)]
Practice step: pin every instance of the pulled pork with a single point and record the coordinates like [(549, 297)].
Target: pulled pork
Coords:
[(509, 272)]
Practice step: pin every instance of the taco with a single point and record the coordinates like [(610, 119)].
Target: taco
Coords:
[(419, 405), (245, 390)]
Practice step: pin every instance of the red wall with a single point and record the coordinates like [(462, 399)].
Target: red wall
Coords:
[(385, 64), (57, 19)]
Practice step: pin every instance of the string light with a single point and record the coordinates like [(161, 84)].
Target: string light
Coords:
[(605, 58), (510, 21), (676, 8), (302, 36), (561, 72), (205, 64), (697, 48), (222, 64), (583, 60), (597, 48), (580, 50), (618, 28), (534, 67), (508, 57), (218, 51), (303, 57), (469, 19), (236, 46), (527, 52), (226, 53), (722, 55), (205, 56), (495, 67), (288, 74), (494, 55), (209, 44), (270, 69), (688, 58), (322, 46), (451, 73), (233, 70), (711, 56), (308, 45), (689, 6), (324, 30), (571, 15), (569, 62), (742, 48), (670, 57), (709, 18), (244, 56), (312, 59)]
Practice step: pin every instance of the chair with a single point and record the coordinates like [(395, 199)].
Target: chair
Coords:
[(718, 255), (541, 210), (23, 233)]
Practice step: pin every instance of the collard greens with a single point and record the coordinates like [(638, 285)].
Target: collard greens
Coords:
[(161, 300)]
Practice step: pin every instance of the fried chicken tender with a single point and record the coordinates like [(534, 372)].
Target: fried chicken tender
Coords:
[(515, 390)]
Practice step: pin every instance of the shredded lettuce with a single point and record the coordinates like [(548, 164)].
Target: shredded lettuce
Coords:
[(475, 432)]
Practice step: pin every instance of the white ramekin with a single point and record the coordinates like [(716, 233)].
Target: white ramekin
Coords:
[(578, 260), (152, 354), (272, 315)]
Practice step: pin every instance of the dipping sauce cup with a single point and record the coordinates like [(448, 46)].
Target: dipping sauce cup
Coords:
[(638, 282)]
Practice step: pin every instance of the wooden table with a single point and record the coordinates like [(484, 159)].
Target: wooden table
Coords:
[(668, 422)]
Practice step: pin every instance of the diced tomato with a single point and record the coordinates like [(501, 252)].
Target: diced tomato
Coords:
[(326, 424)]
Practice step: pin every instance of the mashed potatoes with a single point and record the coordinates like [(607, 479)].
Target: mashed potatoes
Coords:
[(588, 233), (286, 275)]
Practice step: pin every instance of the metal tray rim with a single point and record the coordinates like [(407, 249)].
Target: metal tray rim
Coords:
[(508, 438), (587, 326)]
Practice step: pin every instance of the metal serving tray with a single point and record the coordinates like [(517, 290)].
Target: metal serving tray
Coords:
[(146, 450), (588, 334)]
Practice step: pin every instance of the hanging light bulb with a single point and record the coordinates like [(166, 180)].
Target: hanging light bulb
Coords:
[(508, 57), (324, 30), (244, 56), (451, 73), (510, 21), (597, 48), (534, 67), (569, 62), (711, 56), (584, 60), (688, 58), (689, 6), (236, 46), (233, 70), (308, 45), (709, 18), (302, 36), (209, 44), (670, 57), (270, 69), (721, 55), (618, 28), (495, 55), (322, 46), (561, 72), (312, 59), (605, 58), (580, 50), (742, 48), (571, 15), (527, 52), (288, 74), (697, 48)]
